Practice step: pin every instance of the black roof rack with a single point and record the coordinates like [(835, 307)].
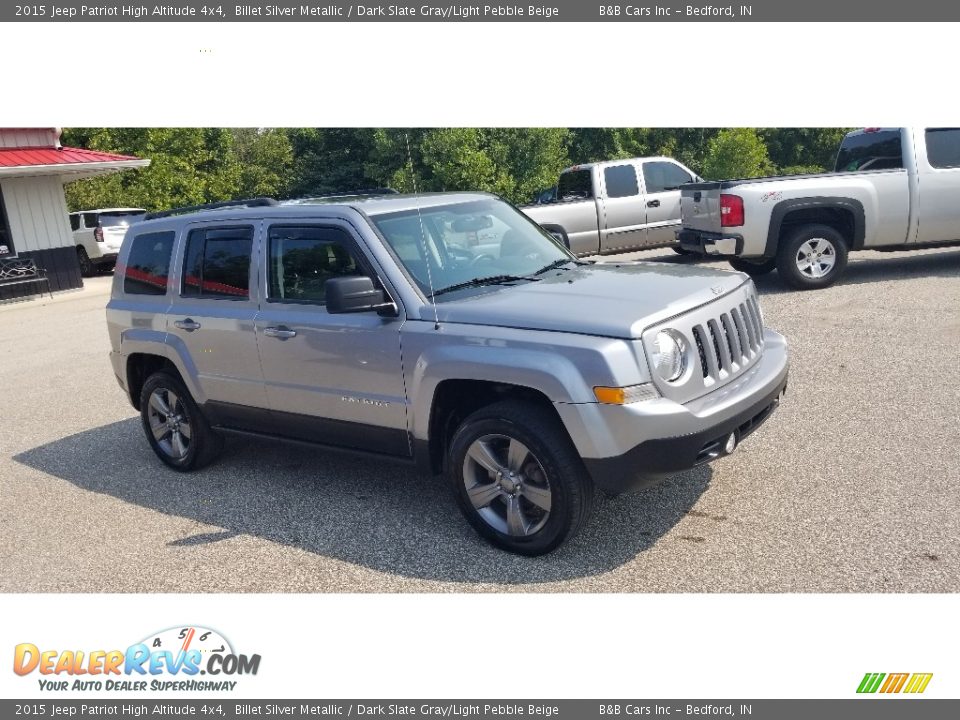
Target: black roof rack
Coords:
[(249, 202)]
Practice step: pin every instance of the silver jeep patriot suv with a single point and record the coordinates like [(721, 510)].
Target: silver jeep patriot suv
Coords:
[(446, 330)]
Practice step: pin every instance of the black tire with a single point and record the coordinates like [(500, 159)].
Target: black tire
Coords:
[(202, 445), (680, 251), (753, 268), (87, 268), (552, 468), (817, 238)]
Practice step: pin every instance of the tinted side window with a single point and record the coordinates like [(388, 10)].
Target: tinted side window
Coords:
[(664, 176), (943, 147), (217, 263), (575, 185), (621, 181), (74, 222), (148, 264), (302, 259), (878, 150), (91, 220)]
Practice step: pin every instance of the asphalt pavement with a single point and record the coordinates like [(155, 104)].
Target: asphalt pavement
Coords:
[(852, 486)]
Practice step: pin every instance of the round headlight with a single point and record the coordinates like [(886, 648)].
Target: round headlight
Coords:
[(669, 358)]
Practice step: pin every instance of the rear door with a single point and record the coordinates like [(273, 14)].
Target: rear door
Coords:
[(335, 379), (212, 318), (939, 186), (662, 181), (624, 215)]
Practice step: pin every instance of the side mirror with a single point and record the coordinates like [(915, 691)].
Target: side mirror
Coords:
[(355, 294)]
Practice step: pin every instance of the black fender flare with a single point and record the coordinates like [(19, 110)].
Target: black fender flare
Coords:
[(783, 208)]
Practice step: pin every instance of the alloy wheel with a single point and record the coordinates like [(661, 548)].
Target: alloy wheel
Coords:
[(816, 258), (169, 423)]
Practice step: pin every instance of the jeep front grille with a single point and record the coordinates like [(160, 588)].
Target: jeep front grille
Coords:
[(725, 338), (729, 341)]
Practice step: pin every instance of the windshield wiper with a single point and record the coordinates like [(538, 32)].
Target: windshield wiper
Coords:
[(555, 265), (479, 282)]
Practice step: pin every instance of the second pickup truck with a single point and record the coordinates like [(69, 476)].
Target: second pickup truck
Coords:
[(892, 189)]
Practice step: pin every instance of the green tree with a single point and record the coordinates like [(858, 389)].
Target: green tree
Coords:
[(188, 166), (265, 159), (736, 153)]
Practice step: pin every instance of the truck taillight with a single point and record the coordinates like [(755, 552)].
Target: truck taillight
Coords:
[(731, 210), (98, 234)]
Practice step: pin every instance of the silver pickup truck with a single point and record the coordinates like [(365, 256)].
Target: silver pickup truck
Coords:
[(615, 206), (387, 325), (892, 189)]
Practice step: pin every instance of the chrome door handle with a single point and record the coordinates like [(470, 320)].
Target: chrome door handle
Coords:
[(188, 325), (653, 203), (281, 332)]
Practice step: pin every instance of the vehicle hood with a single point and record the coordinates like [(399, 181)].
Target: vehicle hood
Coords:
[(607, 299)]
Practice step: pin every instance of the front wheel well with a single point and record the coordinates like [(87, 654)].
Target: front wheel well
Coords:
[(140, 366), (455, 400)]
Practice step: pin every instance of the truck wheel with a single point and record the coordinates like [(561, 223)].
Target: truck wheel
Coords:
[(518, 478), (753, 267), (811, 257), (176, 429), (86, 266)]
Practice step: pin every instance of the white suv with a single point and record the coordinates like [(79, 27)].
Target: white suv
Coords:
[(98, 235)]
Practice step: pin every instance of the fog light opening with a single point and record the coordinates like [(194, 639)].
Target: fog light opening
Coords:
[(731, 443)]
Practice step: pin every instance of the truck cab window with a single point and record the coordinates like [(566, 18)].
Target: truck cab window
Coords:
[(870, 150), (575, 185), (664, 176), (621, 181), (943, 147)]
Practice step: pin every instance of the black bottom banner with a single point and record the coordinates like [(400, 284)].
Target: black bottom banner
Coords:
[(873, 708)]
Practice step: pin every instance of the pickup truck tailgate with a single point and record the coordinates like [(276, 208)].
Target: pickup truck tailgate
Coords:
[(700, 206)]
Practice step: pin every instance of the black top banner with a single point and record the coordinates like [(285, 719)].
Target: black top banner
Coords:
[(554, 11)]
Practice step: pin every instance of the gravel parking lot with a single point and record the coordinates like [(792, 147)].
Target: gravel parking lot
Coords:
[(851, 487)]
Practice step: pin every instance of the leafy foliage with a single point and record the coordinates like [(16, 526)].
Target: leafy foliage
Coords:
[(196, 165)]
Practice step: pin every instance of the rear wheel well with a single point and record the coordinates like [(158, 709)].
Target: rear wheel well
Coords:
[(455, 400), (140, 366), (840, 219)]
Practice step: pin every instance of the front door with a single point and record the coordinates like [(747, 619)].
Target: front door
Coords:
[(939, 183), (624, 220), (212, 317), (662, 181), (334, 379)]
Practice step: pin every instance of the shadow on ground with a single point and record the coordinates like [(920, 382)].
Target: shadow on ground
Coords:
[(375, 514), (876, 268)]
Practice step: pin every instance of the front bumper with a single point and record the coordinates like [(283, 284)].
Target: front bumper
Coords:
[(709, 243), (630, 446), (653, 460)]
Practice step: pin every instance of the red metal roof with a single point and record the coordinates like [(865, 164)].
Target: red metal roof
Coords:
[(40, 156)]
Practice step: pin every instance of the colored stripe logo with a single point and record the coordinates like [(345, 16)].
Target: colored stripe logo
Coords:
[(913, 683)]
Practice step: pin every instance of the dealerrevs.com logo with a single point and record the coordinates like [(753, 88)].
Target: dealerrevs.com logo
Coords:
[(892, 683), (172, 659)]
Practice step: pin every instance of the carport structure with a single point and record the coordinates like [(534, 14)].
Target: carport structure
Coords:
[(34, 222)]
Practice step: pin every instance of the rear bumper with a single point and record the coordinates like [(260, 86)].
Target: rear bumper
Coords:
[(710, 243)]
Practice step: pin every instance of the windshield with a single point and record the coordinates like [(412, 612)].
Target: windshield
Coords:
[(468, 243), (872, 150), (123, 218)]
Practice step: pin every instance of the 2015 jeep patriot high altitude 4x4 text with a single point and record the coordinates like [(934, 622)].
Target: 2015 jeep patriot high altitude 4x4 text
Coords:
[(391, 325)]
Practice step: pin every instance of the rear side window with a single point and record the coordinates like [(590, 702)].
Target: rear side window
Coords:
[(303, 259), (91, 220), (875, 150), (621, 181), (217, 263), (148, 264), (575, 185), (943, 147), (664, 176), (74, 222)]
